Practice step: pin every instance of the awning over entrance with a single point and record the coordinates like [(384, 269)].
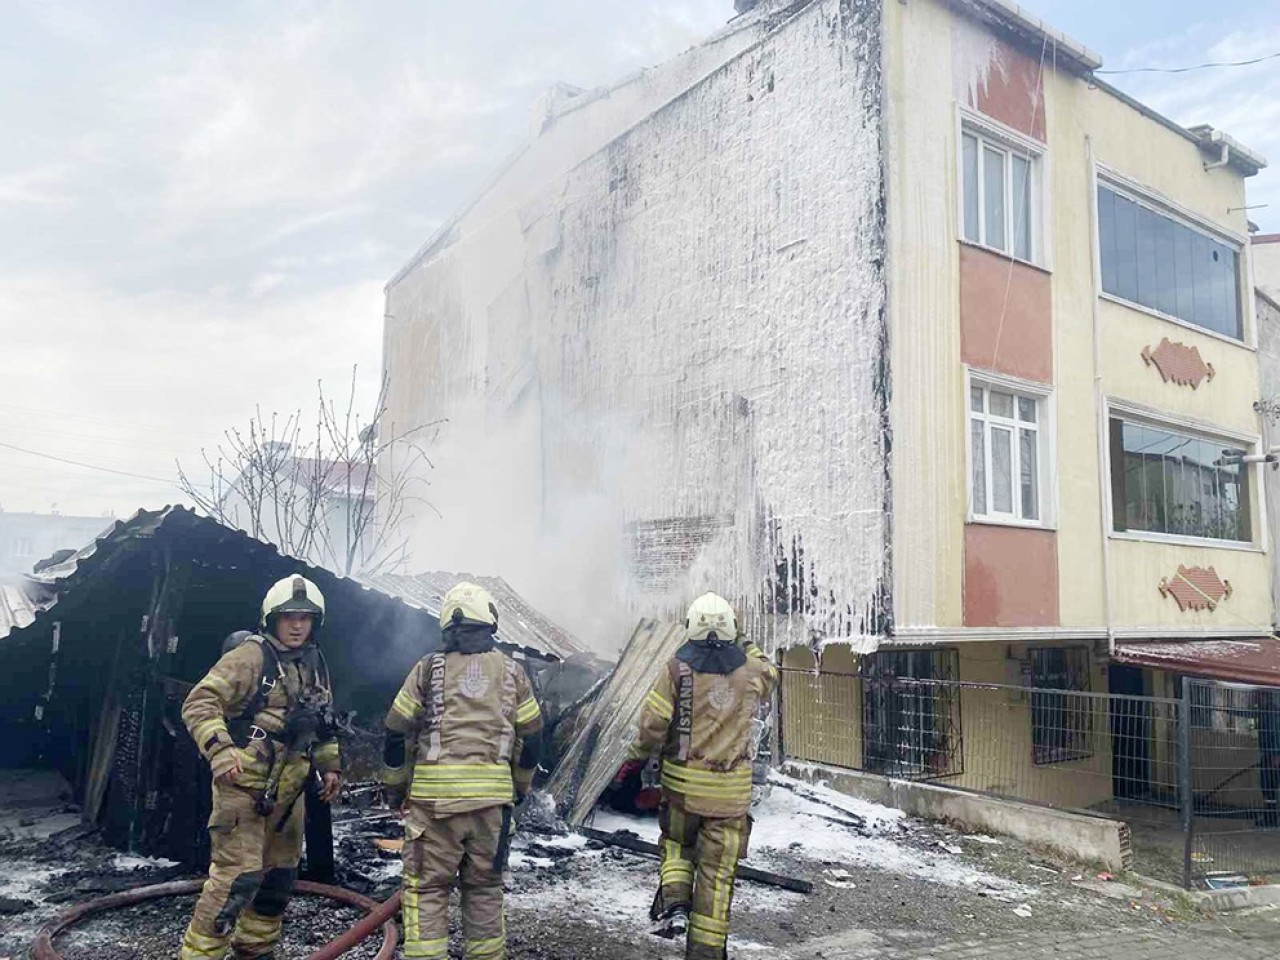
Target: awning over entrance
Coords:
[(1242, 661)]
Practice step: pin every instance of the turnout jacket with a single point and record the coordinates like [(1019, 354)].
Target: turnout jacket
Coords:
[(699, 717), (474, 728), (231, 686)]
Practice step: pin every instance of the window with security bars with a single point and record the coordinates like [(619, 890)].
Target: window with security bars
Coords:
[(911, 714), (1061, 722)]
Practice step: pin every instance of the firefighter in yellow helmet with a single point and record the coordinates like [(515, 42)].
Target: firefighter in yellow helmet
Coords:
[(698, 717), (261, 717), (469, 715)]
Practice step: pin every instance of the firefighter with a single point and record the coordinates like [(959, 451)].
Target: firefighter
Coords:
[(462, 741), (262, 718), (699, 717)]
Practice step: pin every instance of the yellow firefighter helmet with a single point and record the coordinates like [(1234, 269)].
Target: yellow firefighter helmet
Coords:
[(294, 594), (468, 603), (711, 614)]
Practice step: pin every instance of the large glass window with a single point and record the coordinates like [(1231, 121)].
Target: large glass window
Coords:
[(1149, 258), (1007, 464), (999, 195), (1168, 482)]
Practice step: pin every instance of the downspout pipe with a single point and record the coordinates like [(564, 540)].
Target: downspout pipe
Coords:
[(1100, 405), (1225, 158)]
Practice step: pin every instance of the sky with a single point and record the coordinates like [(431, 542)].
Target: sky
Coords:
[(201, 203)]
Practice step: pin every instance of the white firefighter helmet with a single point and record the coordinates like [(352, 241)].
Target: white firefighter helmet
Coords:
[(711, 613), (468, 603), (294, 594)]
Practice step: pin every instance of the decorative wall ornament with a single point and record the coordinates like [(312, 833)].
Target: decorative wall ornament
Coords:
[(1179, 363), (1196, 588)]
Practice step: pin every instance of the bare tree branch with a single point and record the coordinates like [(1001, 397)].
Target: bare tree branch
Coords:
[(343, 500)]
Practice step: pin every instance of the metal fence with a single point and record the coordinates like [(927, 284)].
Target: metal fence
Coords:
[(1196, 778)]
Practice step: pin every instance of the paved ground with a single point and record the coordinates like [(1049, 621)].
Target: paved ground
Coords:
[(1252, 936)]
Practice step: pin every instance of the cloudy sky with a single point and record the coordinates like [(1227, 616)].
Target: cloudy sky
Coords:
[(200, 203)]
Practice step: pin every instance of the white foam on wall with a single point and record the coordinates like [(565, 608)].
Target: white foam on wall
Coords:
[(688, 324)]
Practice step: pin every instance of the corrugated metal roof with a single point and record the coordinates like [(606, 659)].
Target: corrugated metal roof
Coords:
[(601, 743), (518, 622), (28, 599), (17, 606), (1241, 661)]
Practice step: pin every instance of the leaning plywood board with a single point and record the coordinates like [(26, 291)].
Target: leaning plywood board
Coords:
[(600, 745)]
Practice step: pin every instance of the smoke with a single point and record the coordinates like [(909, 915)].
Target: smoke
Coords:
[(495, 518)]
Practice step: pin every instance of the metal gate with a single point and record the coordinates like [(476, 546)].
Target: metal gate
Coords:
[(1231, 798)]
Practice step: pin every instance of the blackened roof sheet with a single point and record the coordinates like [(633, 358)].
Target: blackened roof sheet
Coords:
[(28, 599)]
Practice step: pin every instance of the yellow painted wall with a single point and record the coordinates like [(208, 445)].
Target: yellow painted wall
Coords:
[(929, 482), (822, 713), (822, 723), (998, 737), (1226, 400), (1144, 565), (929, 489)]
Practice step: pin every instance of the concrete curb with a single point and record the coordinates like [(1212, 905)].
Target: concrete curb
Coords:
[(1219, 901), (1081, 836)]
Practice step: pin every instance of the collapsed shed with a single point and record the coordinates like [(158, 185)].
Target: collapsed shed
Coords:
[(97, 653)]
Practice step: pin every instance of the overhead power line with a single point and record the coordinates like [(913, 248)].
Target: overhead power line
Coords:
[(1198, 66), (89, 466)]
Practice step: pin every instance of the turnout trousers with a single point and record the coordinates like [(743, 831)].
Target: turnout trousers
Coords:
[(252, 869), (438, 851), (699, 862)]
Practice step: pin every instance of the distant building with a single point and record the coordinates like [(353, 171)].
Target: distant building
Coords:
[(1266, 263), (321, 510), (27, 538)]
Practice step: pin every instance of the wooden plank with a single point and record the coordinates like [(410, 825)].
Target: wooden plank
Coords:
[(627, 841)]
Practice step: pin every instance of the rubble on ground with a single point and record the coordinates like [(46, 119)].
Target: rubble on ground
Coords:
[(572, 898)]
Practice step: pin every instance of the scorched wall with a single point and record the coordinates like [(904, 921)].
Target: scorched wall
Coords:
[(665, 371)]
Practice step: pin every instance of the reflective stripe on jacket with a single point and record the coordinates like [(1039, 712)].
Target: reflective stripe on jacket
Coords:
[(701, 723), (467, 715)]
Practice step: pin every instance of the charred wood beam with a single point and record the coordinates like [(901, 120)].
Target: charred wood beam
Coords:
[(318, 828), (627, 841)]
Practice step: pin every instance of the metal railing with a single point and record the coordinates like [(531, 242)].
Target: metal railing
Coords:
[(1197, 778)]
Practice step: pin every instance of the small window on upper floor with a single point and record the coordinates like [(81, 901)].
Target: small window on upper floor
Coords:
[(1008, 454), (1001, 194), (1155, 260)]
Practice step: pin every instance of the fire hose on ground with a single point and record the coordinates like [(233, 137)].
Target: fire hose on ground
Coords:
[(380, 915)]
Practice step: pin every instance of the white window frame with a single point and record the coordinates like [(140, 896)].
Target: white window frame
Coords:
[(1251, 443), (1012, 143), (1158, 203), (1046, 429)]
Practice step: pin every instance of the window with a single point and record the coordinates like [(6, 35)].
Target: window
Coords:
[(1007, 436), (1151, 259), (911, 713), (1061, 723), (1225, 707), (999, 194), (1173, 483)]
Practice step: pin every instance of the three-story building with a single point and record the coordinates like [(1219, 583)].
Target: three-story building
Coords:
[(897, 324)]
